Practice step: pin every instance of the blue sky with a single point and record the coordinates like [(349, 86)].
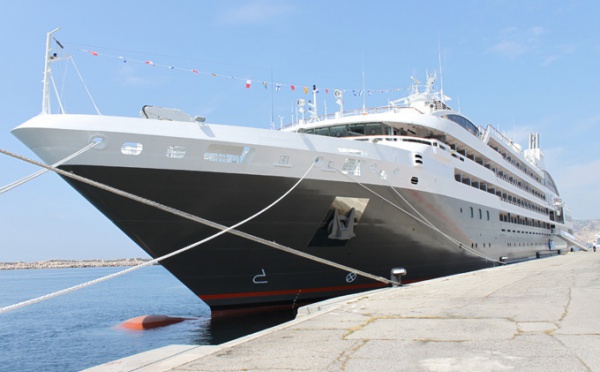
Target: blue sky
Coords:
[(521, 66)]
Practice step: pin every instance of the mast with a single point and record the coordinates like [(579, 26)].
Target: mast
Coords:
[(364, 84), (47, 72)]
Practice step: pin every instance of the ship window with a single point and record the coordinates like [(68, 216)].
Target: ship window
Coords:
[(480, 214), (131, 148), (373, 129), (322, 131), (176, 152), (338, 131), (227, 154), (472, 213), (356, 130), (414, 180), (463, 122), (487, 213)]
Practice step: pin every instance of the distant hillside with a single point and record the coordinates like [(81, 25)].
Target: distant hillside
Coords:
[(586, 230)]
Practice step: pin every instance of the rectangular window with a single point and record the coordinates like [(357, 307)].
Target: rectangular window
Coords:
[(322, 131), (338, 131), (227, 153), (356, 129), (373, 129), (131, 148)]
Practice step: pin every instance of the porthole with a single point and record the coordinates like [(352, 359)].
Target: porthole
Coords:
[(414, 180)]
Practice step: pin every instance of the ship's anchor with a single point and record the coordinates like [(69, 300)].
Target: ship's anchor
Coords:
[(342, 227)]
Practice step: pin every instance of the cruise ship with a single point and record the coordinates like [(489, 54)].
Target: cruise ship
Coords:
[(327, 206)]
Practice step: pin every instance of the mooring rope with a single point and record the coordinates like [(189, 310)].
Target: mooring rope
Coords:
[(423, 220), (435, 228), (42, 171), (223, 229), (151, 262)]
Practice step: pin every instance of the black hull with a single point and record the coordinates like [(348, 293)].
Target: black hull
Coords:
[(231, 272)]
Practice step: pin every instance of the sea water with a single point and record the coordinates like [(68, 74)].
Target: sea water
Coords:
[(80, 329)]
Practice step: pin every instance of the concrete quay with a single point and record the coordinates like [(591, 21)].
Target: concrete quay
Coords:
[(541, 315)]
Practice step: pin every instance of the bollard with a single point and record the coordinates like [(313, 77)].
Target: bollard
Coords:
[(397, 274)]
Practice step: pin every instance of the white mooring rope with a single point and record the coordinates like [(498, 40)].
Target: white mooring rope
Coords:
[(223, 229), (11, 186), (423, 220)]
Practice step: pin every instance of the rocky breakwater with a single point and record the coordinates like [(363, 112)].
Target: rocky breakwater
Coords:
[(65, 264)]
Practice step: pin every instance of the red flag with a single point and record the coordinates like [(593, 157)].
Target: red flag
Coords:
[(293, 87), (150, 63), (95, 54), (248, 82), (195, 71)]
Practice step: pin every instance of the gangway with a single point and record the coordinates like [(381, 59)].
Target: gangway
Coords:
[(572, 240)]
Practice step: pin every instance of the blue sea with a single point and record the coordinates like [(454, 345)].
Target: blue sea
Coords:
[(80, 329)]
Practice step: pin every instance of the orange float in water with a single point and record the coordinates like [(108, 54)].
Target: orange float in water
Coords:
[(150, 321)]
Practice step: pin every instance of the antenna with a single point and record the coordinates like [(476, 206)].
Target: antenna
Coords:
[(441, 74), (272, 102)]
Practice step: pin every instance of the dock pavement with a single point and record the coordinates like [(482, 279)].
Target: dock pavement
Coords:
[(540, 315)]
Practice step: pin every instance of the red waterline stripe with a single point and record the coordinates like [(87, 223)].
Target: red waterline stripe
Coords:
[(289, 291)]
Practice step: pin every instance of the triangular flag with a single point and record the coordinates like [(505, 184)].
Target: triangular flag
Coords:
[(265, 84), (195, 71), (292, 87), (306, 90), (95, 54), (277, 86), (150, 63), (248, 82)]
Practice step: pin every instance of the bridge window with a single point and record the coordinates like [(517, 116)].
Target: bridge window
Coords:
[(463, 122)]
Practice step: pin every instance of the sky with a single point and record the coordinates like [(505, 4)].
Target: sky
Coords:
[(522, 66)]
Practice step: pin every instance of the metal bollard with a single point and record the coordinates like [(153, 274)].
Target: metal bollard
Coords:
[(397, 274)]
